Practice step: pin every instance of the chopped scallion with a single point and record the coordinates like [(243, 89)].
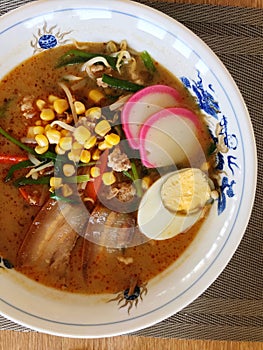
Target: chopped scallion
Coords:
[(62, 198), (121, 83), (78, 56), (22, 165), (22, 181), (134, 177), (148, 61), (47, 155)]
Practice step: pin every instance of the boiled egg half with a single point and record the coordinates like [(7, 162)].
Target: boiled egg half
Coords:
[(174, 203)]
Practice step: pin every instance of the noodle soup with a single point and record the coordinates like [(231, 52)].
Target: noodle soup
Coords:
[(66, 144)]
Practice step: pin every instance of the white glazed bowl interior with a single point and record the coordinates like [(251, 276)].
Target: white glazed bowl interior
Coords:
[(184, 54)]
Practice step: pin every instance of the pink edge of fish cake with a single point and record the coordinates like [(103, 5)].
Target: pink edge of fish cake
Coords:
[(142, 96), (178, 112)]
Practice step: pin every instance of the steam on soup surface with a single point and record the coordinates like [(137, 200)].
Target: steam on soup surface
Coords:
[(74, 157)]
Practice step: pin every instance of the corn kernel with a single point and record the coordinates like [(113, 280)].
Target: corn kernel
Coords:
[(104, 145), (47, 114), (40, 104), (95, 171), (96, 96), (102, 128), (52, 98), (112, 139), (55, 182), (38, 122), (65, 132), (65, 143), (48, 127), (38, 130), (41, 150), (41, 140), (96, 154), (59, 150), (85, 156), (93, 113), (53, 136), (68, 169), (60, 105), (76, 145), (108, 178), (146, 182), (67, 190), (79, 107), (91, 142), (30, 132), (81, 134), (74, 155)]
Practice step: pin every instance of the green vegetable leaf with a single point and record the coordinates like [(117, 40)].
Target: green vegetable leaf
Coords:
[(121, 83), (134, 177), (62, 198), (148, 61), (78, 56), (46, 155), (22, 181), (21, 165)]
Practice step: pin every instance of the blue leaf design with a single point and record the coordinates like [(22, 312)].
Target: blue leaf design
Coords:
[(186, 82), (222, 196), (205, 99), (220, 161), (231, 163), (222, 138)]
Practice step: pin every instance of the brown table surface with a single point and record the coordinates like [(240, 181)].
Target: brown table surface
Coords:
[(10, 340)]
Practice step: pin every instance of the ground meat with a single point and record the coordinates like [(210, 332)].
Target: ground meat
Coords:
[(118, 161), (27, 107), (123, 191)]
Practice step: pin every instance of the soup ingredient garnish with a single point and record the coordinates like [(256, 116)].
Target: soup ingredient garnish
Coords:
[(121, 83), (134, 176), (79, 56), (155, 217), (148, 61), (12, 159), (92, 187), (142, 105), (26, 148), (21, 165), (169, 137), (75, 146)]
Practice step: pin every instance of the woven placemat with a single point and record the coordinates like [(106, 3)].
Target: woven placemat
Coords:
[(232, 307)]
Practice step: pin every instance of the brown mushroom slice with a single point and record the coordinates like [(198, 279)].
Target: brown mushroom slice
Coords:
[(52, 236)]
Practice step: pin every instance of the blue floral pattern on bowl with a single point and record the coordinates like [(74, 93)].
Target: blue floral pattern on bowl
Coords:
[(225, 142)]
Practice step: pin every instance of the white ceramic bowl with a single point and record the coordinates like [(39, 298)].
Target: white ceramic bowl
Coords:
[(184, 54)]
